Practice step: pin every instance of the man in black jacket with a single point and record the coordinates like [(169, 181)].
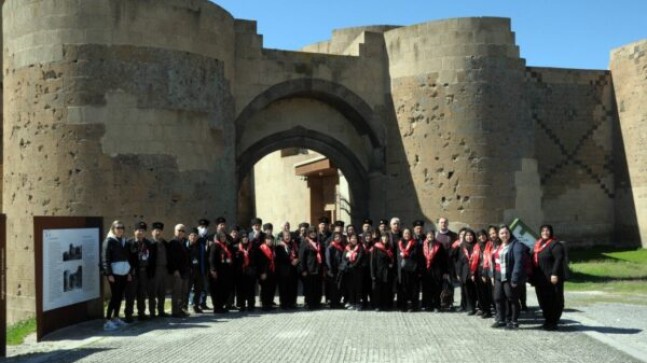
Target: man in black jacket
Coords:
[(140, 253), (157, 264), (311, 268), (179, 267)]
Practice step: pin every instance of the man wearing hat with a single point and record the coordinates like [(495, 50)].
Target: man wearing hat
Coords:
[(418, 231), (367, 226), (179, 266), (256, 235), (198, 267), (383, 226), (301, 234), (158, 262), (140, 252), (324, 235), (268, 229)]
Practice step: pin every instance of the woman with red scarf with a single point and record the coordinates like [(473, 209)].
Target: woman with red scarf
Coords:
[(407, 250), (382, 268), (481, 274), (548, 276), (287, 259), (334, 258), (353, 272), (311, 267), (463, 270), (222, 272), (245, 260), (267, 273), (434, 268)]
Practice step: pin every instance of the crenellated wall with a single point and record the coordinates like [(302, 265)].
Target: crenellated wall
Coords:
[(158, 109)]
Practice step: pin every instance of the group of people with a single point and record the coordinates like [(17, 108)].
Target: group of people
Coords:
[(337, 265)]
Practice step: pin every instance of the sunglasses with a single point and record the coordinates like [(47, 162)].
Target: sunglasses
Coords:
[(181, 230), (119, 227)]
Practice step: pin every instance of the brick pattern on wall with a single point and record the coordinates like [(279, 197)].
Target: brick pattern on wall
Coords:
[(573, 118)]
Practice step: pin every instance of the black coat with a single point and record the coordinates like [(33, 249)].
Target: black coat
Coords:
[(113, 251), (462, 261), (178, 258), (308, 258), (283, 259), (250, 270), (140, 256), (439, 265), (220, 261), (348, 266), (334, 259), (381, 266), (551, 262)]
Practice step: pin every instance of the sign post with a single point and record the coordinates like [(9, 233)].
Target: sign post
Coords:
[(68, 280)]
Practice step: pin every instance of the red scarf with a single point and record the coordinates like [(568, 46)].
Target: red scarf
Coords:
[(388, 252), (406, 251), (352, 254), (456, 244), (225, 249), (267, 251), (337, 246), (317, 248), (475, 258), (245, 252), (430, 253), (290, 249), (487, 254), (538, 248)]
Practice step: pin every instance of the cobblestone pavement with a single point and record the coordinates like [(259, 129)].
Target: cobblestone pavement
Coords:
[(341, 336)]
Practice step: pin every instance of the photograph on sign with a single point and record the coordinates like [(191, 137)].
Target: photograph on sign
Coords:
[(70, 266)]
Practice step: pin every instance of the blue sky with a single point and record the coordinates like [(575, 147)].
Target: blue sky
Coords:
[(550, 33)]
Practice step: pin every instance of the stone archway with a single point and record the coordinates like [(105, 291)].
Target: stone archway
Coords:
[(339, 154), (358, 160)]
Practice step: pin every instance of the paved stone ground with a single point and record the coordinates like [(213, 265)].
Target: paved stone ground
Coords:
[(350, 336)]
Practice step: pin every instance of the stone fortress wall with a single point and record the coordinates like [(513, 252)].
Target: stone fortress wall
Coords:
[(156, 110)]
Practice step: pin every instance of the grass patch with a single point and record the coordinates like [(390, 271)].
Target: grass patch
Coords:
[(16, 333), (609, 270)]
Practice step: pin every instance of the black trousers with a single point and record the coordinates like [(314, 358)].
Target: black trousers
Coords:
[(288, 284), (312, 286), (484, 295), (221, 290), (197, 286), (468, 295), (551, 299), (117, 292), (245, 294), (383, 295), (367, 287), (335, 289), (431, 289), (507, 302), (353, 283), (408, 289), (141, 292), (268, 290)]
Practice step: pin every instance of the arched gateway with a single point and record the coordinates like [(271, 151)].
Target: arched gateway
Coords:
[(319, 115)]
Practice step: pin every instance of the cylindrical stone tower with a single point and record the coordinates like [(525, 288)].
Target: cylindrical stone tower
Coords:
[(629, 72), (113, 108), (458, 95)]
